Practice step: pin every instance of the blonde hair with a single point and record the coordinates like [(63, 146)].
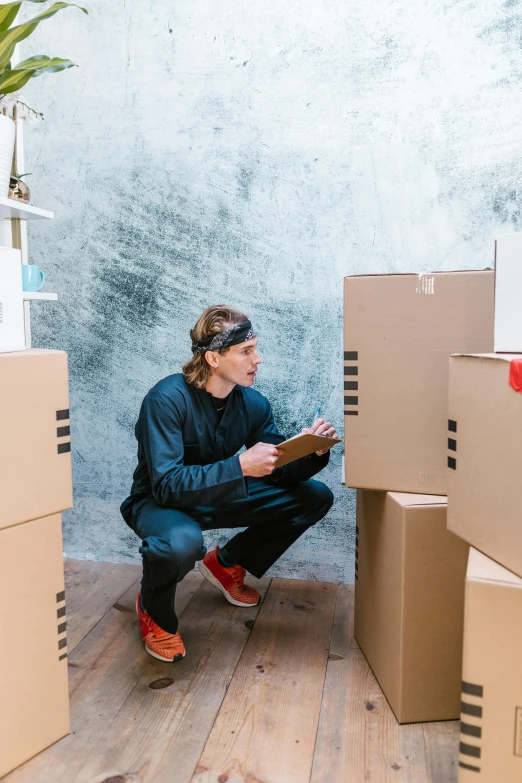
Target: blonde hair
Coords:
[(213, 320)]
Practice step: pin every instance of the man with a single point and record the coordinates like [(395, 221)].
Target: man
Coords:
[(190, 478)]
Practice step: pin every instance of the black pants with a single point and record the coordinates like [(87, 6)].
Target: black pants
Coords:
[(274, 517)]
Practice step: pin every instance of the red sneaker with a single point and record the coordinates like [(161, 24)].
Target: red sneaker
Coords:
[(158, 643), (229, 580)]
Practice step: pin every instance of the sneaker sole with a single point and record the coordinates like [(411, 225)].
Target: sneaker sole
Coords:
[(177, 657), (213, 581)]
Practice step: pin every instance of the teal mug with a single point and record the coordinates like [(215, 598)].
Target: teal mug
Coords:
[(32, 277)]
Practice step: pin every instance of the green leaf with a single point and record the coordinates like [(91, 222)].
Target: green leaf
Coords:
[(9, 12), (9, 38), (15, 79)]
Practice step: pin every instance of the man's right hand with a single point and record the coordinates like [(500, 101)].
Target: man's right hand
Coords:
[(260, 460)]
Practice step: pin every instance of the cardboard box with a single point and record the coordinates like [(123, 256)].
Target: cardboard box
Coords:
[(399, 331), (409, 602), (34, 708), (35, 478), (508, 284), (491, 719), (485, 456), (12, 326)]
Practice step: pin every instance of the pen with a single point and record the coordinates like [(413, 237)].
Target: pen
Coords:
[(317, 415)]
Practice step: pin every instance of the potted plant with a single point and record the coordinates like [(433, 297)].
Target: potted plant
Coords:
[(14, 77)]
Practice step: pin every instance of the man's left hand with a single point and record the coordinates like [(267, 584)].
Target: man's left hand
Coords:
[(321, 427)]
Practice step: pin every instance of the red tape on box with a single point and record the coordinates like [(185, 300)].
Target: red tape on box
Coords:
[(515, 374)]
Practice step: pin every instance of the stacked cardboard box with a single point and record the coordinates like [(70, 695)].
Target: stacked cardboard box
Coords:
[(399, 333), (484, 461), (35, 487)]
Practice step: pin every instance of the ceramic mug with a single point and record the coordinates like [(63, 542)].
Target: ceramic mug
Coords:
[(32, 277)]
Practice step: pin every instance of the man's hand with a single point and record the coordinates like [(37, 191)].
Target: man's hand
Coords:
[(322, 427), (259, 460)]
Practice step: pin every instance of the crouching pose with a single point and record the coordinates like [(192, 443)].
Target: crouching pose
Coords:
[(190, 478)]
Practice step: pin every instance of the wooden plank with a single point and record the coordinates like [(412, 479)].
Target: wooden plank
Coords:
[(359, 738), (266, 728), (441, 741), (159, 732), (103, 670), (80, 575), (88, 607), (344, 617)]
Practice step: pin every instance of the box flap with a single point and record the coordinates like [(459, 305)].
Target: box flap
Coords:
[(409, 499), (483, 569), (422, 274), (502, 357)]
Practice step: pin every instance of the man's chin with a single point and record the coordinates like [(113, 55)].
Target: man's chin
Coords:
[(248, 381)]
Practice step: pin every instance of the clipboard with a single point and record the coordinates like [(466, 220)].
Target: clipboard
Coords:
[(302, 445)]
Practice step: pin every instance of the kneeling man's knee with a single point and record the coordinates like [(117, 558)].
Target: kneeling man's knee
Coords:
[(179, 546), (316, 500), (323, 495)]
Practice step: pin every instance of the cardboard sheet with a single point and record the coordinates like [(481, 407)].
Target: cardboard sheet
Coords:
[(508, 287), (12, 328)]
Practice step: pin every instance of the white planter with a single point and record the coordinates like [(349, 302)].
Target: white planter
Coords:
[(7, 141)]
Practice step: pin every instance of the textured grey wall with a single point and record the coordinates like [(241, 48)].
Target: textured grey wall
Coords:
[(255, 153)]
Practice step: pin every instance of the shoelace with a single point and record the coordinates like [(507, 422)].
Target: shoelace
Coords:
[(159, 635), (238, 575)]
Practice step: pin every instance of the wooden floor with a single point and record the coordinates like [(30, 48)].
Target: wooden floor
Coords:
[(276, 694)]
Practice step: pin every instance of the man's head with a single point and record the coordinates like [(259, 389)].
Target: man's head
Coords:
[(232, 357)]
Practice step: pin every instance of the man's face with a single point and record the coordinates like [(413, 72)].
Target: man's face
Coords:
[(239, 364)]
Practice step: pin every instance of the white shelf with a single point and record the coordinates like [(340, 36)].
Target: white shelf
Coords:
[(12, 208), (31, 296)]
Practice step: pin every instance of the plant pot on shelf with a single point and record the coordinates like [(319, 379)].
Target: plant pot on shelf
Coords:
[(7, 142), (18, 190)]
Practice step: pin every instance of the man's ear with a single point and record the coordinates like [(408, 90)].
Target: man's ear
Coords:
[(211, 358)]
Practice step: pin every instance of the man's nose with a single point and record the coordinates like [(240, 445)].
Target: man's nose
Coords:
[(258, 359)]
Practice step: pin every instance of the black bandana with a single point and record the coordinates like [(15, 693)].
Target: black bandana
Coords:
[(238, 334)]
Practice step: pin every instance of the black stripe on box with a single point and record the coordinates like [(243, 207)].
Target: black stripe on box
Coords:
[(357, 566), (61, 432), (452, 444), (452, 425), (356, 542), (356, 576), (62, 627), (60, 612), (471, 709), (351, 400), (61, 415), (62, 643), (351, 356), (63, 448), (469, 750), (351, 371), (452, 463), (357, 529), (351, 385), (351, 413), (472, 731), (62, 657), (472, 690), (60, 596), (469, 766)]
